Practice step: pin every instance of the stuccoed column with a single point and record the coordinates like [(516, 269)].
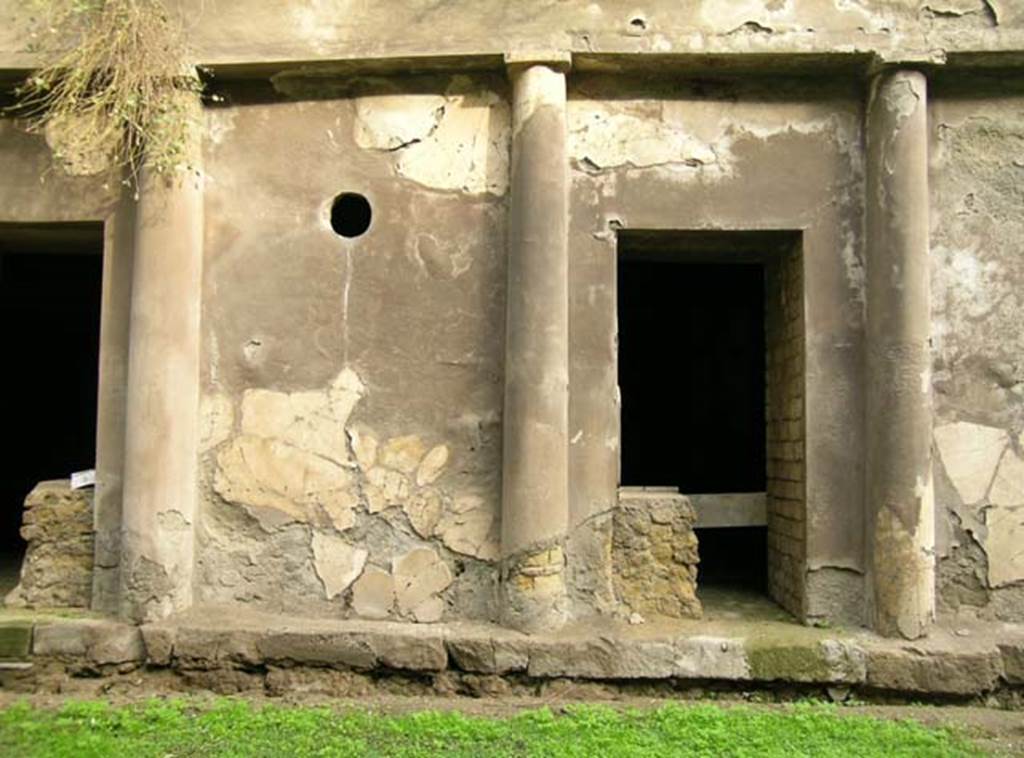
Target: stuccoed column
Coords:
[(900, 506), (161, 441), (535, 470)]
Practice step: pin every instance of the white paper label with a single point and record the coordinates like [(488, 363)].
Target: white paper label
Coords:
[(80, 479)]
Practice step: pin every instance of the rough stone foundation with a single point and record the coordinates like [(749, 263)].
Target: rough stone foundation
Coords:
[(654, 553), (58, 526), (226, 651)]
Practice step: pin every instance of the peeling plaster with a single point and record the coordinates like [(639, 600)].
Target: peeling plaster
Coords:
[(970, 454), (603, 139), (337, 563), (458, 141), (432, 465), (296, 462), (373, 594), (469, 527), (420, 577), (1004, 545)]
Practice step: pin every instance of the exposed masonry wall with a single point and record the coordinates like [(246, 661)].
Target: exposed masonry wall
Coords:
[(655, 555), (57, 524), (978, 349), (353, 388), (784, 365)]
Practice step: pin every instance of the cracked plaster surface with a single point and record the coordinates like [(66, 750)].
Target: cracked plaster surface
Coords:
[(296, 461), (986, 467), (457, 141), (978, 345)]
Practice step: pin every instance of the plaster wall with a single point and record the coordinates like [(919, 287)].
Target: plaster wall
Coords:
[(251, 32), (978, 349), (352, 388)]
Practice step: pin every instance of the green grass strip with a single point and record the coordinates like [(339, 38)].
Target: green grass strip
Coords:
[(237, 728)]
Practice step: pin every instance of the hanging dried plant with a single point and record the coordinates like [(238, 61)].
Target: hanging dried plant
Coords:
[(115, 87)]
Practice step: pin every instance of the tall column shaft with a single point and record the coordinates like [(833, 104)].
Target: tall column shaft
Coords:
[(161, 444), (900, 507), (115, 325), (535, 469)]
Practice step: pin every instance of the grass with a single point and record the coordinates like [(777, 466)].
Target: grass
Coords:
[(236, 728)]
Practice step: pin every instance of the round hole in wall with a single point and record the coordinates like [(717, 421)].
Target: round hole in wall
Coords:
[(350, 214)]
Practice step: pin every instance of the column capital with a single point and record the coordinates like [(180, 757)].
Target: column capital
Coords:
[(557, 60), (905, 61)]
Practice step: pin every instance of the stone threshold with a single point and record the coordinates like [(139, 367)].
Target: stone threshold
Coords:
[(961, 663)]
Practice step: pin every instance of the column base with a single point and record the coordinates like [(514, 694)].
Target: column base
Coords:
[(534, 597)]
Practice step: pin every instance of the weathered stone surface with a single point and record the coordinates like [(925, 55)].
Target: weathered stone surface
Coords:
[(60, 640), (416, 651), (317, 681), (373, 594), (15, 640), (158, 640), (57, 570), (1013, 661), (337, 563), (654, 554), (603, 658), (323, 649), (360, 646), (199, 647), (703, 657), (534, 589), (488, 652), (819, 662), (420, 575), (952, 672), (116, 643), (100, 642)]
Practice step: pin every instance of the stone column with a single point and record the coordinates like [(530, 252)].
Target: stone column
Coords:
[(115, 323), (900, 502), (535, 468), (162, 403)]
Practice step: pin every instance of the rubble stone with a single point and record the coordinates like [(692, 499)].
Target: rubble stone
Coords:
[(58, 525), (654, 554)]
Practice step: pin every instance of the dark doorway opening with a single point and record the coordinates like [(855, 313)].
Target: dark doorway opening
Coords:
[(692, 382), (50, 288)]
